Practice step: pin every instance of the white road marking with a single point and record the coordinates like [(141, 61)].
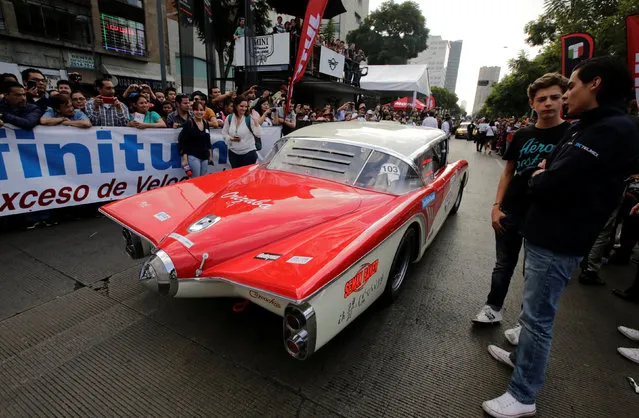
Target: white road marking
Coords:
[(500, 164)]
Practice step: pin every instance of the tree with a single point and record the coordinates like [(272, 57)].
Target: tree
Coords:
[(392, 34), (328, 31), (224, 14), (603, 19), (446, 101)]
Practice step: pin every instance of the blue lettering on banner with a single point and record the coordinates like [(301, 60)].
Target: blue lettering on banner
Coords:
[(223, 150), (158, 162), (30, 161), (22, 134), (3, 169), (131, 146), (105, 135), (55, 158), (428, 200), (3, 133)]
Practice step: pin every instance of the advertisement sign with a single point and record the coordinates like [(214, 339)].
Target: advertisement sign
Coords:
[(80, 61), (632, 31), (57, 166), (331, 63), (575, 47), (269, 50), (123, 35), (312, 20)]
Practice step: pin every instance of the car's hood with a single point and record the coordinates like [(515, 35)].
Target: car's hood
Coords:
[(263, 207)]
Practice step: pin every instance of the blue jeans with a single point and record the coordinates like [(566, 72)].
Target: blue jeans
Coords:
[(545, 276), (507, 246), (198, 167)]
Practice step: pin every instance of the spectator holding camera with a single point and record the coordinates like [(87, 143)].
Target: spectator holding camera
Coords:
[(194, 143), (143, 117), (264, 114), (62, 112), (105, 109), (15, 109)]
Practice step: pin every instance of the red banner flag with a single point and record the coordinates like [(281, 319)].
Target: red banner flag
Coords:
[(314, 13), (632, 31), (575, 47)]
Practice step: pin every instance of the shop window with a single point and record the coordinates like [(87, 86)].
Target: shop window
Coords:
[(53, 20)]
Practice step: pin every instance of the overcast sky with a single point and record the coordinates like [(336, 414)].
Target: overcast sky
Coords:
[(486, 27)]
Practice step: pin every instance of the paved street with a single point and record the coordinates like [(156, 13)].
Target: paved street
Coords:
[(79, 336)]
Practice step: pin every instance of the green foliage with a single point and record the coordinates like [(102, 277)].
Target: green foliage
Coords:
[(328, 31), (392, 34), (446, 101), (603, 19)]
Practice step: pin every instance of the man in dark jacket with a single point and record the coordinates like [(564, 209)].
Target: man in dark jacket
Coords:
[(572, 194), (15, 110)]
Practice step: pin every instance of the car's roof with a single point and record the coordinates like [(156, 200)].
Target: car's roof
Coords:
[(465, 123), (401, 139)]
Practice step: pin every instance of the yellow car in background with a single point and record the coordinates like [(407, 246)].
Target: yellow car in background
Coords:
[(462, 130)]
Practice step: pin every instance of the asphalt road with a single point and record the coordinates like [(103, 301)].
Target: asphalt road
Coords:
[(79, 336)]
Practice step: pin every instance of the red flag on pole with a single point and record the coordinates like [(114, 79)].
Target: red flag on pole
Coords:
[(314, 13), (632, 32)]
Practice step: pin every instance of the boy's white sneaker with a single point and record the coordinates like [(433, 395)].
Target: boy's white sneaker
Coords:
[(506, 406)]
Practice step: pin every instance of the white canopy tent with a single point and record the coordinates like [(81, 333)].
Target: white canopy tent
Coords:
[(400, 79)]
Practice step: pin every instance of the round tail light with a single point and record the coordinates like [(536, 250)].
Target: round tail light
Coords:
[(293, 322), (292, 346)]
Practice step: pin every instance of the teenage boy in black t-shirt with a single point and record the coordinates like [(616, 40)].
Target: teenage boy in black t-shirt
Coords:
[(528, 149)]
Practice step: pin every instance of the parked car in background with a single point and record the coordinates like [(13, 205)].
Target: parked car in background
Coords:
[(325, 226), (462, 130)]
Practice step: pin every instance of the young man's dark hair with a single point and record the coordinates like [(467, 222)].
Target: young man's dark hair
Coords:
[(180, 97), (168, 89), (545, 81), (616, 82), (199, 94), (9, 85), (25, 73), (63, 82), (100, 82)]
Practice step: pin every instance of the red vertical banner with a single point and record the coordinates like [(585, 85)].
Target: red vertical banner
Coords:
[(632, 32), (575, 47), (310, 29)]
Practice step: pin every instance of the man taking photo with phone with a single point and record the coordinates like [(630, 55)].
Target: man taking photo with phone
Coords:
[(105, 109), (35, 85), (572, 194)]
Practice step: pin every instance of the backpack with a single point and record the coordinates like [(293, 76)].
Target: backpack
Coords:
[(247, 119)]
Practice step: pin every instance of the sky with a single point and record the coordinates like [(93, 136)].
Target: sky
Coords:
[(492, 31)]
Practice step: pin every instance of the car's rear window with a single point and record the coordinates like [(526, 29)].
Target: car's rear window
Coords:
[(344, 163)]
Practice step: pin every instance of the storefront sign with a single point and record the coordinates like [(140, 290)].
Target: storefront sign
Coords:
[(267, 50), (331, 63), (123, 35), (57, 166), (80, 61)]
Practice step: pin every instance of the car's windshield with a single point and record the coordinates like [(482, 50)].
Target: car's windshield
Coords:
[(464, 124), (344, 163)]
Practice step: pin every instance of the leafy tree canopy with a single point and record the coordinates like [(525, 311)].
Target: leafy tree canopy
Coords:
[(392, 34), (603, 19)]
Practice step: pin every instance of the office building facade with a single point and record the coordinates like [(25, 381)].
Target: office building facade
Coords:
[(488, 77), (452, 67)]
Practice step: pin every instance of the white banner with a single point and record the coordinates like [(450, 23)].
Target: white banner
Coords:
[(331, 63), (271, 49), (56, 166)]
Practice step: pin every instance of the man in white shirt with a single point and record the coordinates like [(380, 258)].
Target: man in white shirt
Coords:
[(447, 126), (481, 130), (430, 121)]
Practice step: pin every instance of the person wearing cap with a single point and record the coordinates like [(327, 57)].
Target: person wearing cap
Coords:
[(369, 116), (239, 31)]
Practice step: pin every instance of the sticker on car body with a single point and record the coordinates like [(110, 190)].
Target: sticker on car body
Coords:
[(299, 260), (428, 200), (181, 239), (162, 216)]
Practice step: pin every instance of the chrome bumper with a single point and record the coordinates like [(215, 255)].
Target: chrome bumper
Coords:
[(158, 273)]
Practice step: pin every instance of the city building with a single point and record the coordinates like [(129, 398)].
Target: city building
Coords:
[(436, 58), (96, 38), (488, 77), (452, 67)]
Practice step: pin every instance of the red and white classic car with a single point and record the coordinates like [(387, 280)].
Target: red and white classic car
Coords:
[(326, 225)]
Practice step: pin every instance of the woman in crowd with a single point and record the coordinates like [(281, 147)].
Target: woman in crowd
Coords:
[(79, 101), (143, 117), (167, 107), (491, 133), (262, 113), (62, 112), (194, 143), (240, 131)]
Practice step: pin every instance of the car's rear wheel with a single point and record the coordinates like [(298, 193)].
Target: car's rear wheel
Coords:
[(460, 194), (399, 268)]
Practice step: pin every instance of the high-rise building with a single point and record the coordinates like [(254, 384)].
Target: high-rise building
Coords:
[(488, 77), (452, 68), (436, 58)]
